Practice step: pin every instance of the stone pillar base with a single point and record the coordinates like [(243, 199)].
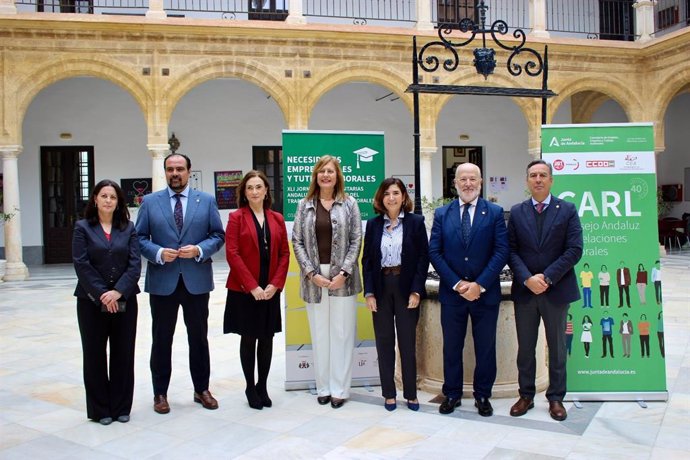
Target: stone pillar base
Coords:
[(16, 271)]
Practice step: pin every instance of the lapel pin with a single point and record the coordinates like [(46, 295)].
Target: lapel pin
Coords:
[(483, 212), (558, 206)]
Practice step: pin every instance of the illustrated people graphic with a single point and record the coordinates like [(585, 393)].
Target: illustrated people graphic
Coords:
[(656, 279), (604, 285), (606, 334), (623, 282), (660, 333), (586, 277), (626, 331), (641, 282), (569, 334), (643, 328), (586, 336)]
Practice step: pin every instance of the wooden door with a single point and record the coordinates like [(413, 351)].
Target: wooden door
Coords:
[(66, 181)]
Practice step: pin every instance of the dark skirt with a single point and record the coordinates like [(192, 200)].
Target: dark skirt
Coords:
[(249, 317)]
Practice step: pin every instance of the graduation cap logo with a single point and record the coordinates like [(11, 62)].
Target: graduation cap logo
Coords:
[(365, 155)]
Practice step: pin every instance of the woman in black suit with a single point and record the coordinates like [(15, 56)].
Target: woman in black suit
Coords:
[(105, 251), (394, 265)]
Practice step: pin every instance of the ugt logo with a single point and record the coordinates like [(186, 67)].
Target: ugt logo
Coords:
[(303, 364)]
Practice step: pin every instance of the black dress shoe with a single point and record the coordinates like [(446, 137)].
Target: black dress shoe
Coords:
[(449, 404), (484, 407), (337, 403), (323, 400)]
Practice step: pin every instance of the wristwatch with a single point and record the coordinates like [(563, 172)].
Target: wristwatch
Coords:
[(548, 280), (344, 273)]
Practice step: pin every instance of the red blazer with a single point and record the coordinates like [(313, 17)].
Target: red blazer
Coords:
[(242, 250)]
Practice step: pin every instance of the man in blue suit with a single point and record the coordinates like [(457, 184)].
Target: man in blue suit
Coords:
[(179, 229), (469, 248), (545, 238)]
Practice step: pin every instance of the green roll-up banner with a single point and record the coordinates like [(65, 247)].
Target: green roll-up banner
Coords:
[(362, 159), (615, 332)]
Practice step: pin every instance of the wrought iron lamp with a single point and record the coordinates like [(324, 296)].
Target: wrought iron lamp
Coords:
[(434, 54)]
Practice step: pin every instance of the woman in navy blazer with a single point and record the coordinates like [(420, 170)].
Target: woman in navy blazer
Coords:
[(105, 251), (394, 266), (257, 251)]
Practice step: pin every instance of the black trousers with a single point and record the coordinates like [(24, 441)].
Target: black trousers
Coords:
[(393, 315), (527, 319), (604, 296), (644, 345), (657, 291), (164, 311), (109, 385), (623, 290), (604, 340)]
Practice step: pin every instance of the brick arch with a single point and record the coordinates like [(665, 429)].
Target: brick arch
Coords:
[(615, 90), (214, 69), (358, 73), (62, 69)]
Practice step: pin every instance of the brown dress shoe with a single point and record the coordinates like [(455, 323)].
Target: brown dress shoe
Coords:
[(557, 411), (521, 406), (160, 404), (206, 399)]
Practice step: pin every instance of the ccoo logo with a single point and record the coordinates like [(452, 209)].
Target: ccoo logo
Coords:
[(600, 164)]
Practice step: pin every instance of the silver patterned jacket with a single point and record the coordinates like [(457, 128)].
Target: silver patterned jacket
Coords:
[(346, 223)]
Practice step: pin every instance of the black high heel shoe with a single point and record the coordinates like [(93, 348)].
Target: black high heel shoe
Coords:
[(253, 398), (263, 396)]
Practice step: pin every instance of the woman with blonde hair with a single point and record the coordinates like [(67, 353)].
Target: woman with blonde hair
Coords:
[(327, 236)]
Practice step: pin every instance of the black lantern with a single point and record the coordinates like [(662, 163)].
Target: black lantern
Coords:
[(484, 61)]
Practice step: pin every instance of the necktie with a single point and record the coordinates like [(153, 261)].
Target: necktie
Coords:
[(178, 212), (466, 223), (540, 207)]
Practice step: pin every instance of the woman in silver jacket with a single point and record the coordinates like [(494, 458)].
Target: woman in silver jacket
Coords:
[(326, 237)]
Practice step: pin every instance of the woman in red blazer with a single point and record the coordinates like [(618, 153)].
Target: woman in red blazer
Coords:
[(257, 251)]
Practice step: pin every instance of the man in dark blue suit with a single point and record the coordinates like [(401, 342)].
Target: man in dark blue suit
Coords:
[(179, 230), (545, 238), (469, 248)]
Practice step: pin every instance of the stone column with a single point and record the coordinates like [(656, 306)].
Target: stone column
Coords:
[(158, 154), (7, 7), (644, 19), (295, 13), (424, 15), (425, 174), (156, 10), (15, 269), (537, 16)]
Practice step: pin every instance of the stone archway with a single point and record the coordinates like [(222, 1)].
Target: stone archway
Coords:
[(31, 85), (207, 70), (592, 94)]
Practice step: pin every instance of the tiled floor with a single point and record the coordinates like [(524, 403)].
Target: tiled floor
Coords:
[(42, 410)]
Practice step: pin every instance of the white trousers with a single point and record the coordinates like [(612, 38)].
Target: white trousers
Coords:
[(332, 324)]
